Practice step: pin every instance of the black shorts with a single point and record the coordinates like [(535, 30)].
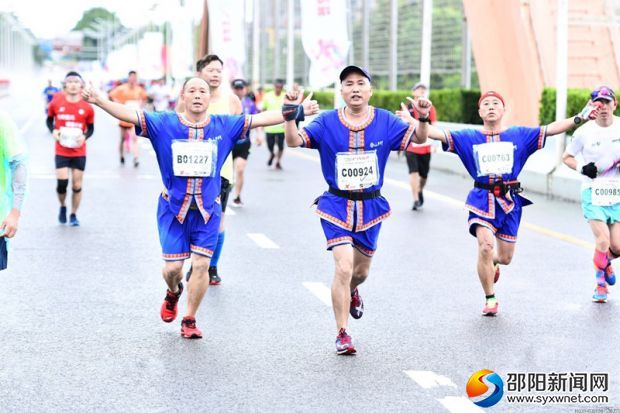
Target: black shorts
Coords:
[(224, 192), (73, 162), (273, 139), (419, 163), (4, 255), (242, 150)]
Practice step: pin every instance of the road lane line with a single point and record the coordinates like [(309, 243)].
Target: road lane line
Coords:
[(460, 204), (28, 124), (262, 241), (321, 292), (459, 405), (429, 379)]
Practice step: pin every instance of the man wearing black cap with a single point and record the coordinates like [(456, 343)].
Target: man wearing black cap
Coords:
[(354, 144), (70, 119), (598, 145)]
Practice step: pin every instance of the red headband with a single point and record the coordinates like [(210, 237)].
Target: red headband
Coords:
[(493, 94)]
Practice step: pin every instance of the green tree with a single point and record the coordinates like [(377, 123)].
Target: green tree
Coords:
[(91, 15)]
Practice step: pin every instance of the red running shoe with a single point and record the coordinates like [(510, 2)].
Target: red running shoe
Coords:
[(189, 329), (356, 308), (344, 345), (168, 310)]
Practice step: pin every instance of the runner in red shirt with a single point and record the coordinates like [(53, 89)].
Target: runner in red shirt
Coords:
[(419, 156), (70, 119)]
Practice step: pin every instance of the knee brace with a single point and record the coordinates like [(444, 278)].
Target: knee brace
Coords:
[(62, 185), (76, 190)]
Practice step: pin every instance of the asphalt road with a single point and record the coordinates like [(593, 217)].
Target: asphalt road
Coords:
[(80, 328)]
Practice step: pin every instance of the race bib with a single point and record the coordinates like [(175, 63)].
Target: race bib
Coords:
[(133, 104), (605, 192), (356, 170), (193, 158), (494, 158), (69, 136)]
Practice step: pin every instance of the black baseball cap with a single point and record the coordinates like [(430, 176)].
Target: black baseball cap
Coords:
[(239, 84), (354, 69)]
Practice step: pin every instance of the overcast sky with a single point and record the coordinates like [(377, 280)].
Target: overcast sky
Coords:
[(48, 19)]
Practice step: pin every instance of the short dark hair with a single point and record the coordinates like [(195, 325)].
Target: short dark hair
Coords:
[(132, 72), (278, 81), (201, 63), (72, 73)]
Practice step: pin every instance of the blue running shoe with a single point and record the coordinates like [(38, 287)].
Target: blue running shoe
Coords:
[(600, 294), (610, 276), (73, 221), (62, 215)]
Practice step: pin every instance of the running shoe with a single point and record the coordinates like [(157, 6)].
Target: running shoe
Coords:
[(416, 205), (356, 308), (214, 278), (73, 221), (600, 294), (168, 311), (237, 202), (496, 279), (610, 276), (344, 344), (122, 160), (62, 215), (189, 329), (136, 163), (278, 166), (490, 308), (270, 161)]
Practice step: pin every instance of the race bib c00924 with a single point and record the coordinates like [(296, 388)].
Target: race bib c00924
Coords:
[(193, 158), (494, 158), (605, 192), (356, 170)]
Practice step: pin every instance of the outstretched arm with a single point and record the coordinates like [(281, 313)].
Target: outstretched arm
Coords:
[(275, 117), (119, 111), (589, 112), (432, 132)]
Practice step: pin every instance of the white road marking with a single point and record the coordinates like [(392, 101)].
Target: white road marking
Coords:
[(321, 291), (262, 241), (429, 379), (459, 405), (28, 123), (461, 204)]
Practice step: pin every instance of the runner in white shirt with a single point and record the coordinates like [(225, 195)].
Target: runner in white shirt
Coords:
[(598, 144)]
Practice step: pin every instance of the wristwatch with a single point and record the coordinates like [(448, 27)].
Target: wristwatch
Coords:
[(577, 120)]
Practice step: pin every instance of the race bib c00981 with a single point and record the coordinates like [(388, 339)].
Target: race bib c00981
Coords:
[(69, 136), (494, 158), (356, 170), (193, 158), (605, 192)]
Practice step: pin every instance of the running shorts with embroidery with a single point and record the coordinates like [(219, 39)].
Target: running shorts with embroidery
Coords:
[(504, 226), (364, 241), (178, 240)]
